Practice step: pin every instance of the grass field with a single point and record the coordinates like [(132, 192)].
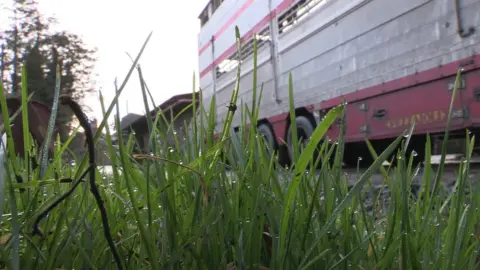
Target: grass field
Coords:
[(177, 208)]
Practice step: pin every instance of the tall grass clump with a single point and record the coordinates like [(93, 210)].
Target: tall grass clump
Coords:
[(191, 202)]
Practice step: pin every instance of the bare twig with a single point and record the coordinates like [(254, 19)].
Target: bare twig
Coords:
[(69, 180), (43, 214), (66, 100)]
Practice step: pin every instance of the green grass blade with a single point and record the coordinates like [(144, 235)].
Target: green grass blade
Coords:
[(26, 130), (355, 189), (299, 171), (51, 123)]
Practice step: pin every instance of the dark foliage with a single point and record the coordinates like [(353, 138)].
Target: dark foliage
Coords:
[(30, 41)]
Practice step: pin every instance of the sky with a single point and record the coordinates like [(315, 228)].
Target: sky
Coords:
[(119, 27)]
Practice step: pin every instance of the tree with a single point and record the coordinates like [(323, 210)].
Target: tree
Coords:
[(76, 65), (36, 82), (30, 41), (27, 27)]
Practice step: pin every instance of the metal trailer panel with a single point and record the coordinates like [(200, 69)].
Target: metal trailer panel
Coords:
[(426, 100), (427, 104), (244, 14), (264, 77), (354, 54), (205, 59), (227, 10), (412, 102), (206, 80), (419, 40), (471, 97), (347, 47), (398, 91), (245, 22), (226, 84), (212, 29), (247, 15)]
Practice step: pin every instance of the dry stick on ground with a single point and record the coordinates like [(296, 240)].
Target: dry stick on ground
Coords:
[(65, 100), (43, 214)]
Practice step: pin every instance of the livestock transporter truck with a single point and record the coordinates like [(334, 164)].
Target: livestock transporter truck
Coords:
[(391, 61)]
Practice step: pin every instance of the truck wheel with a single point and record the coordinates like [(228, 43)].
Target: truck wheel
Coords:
[(265, 131), (305, 130)]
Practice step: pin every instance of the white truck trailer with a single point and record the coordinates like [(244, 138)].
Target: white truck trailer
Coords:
[(392, 61)]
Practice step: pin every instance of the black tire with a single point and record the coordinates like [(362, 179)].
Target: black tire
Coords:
[(305, 129), (265, 131)]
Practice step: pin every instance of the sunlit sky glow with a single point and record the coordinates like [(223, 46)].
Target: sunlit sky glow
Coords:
[(118, 27)]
